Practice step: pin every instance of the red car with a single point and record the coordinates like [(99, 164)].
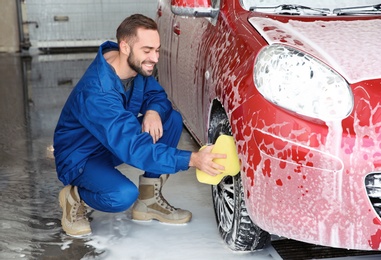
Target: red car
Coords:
[(299, 89)]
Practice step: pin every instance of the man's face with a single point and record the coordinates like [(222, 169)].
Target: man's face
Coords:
[(144, 52)]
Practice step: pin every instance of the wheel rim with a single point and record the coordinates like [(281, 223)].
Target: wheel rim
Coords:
[(223, 193), (223, 198)]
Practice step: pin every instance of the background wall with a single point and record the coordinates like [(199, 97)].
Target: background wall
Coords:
[(78, 23), (48, 24), (9, 32)]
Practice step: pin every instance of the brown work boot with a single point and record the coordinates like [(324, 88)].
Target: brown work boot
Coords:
[(74, 221), (152, 205)]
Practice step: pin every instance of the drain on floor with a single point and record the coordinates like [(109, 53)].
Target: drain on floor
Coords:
[(295, 250)]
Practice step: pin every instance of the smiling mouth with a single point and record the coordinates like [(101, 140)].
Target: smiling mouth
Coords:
[(149, 65)]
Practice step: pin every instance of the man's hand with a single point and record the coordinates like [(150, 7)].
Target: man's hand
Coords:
[(152, 125), (203, 160)]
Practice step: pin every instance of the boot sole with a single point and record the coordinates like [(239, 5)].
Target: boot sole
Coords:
[(142, 216), (62, 199)]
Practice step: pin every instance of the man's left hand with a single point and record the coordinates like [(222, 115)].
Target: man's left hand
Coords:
[(152, 125)]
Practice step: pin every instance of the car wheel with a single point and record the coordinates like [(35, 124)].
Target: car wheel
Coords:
[(234, 223)]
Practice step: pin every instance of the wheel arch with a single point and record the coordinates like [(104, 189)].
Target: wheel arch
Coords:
[(217, 113)]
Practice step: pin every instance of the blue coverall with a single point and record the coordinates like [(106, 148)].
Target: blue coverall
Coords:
[(100, 128)]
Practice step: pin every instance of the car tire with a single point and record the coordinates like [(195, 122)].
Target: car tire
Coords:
[(233, 221)]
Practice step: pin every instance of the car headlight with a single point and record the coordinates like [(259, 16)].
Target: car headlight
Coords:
[(300, 83)]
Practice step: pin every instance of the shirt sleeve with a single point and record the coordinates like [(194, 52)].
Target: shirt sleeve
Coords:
[(119, 131)]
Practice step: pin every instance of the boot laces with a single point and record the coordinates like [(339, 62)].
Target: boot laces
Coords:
[(78, 211), (162, 201)]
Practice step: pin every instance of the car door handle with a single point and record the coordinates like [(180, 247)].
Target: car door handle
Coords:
[(176, 29), (159, 12)]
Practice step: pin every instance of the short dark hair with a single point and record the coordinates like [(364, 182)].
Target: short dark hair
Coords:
[(129, 27)]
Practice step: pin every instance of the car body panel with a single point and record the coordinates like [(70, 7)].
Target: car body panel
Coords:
[(330, 40), (303, 178)]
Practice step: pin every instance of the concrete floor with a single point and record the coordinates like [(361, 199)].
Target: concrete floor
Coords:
[(33, 90)]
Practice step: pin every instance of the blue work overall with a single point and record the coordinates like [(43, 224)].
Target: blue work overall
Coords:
[(100, 128)]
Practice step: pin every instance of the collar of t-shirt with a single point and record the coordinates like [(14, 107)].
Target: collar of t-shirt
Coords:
[(127, 83)]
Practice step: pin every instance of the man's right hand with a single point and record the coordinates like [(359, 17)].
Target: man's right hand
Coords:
[(203, 160)]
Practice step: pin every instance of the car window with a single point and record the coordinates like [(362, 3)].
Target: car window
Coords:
[(329, 4)]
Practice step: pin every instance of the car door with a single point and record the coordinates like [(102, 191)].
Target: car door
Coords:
[(164, 21), (188, 72)]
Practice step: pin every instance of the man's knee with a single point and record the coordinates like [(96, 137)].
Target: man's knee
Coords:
[(121, 199), (177, 118), (174, 120)]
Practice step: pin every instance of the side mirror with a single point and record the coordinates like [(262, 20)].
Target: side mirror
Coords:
[(194, 8)]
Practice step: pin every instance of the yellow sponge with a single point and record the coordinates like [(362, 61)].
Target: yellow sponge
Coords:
[(224, 145)]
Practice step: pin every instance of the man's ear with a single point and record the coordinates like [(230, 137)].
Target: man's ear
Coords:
[(124, 47)]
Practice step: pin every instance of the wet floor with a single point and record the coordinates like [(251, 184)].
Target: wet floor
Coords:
[(33, 90)]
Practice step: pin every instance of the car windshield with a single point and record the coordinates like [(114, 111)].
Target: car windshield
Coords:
[(308, 7)]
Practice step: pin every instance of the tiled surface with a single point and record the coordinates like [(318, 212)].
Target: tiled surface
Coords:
[(79, 22)]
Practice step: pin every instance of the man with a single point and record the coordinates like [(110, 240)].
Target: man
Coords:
[(118, 113)]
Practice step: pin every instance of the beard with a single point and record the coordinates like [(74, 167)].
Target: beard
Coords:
[(136, 65)]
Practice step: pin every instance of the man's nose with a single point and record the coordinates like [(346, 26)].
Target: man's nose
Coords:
[(154, 57)]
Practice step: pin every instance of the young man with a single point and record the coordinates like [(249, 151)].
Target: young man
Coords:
[(118, 113)]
